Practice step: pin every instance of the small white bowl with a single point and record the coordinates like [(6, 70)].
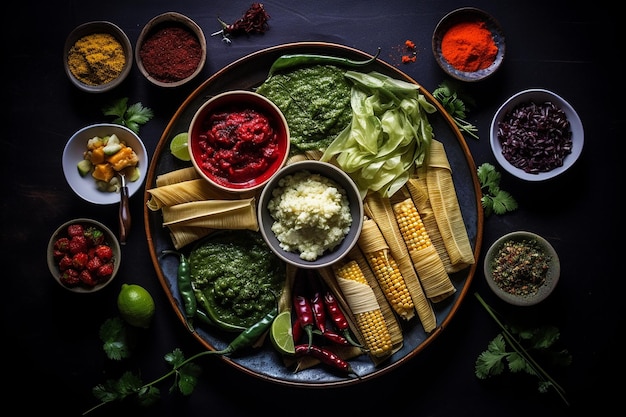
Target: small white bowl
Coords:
[(551, 277), (239, 100), (537, 96), (85, 187), (333, 173), (109, 239), (91, 28)]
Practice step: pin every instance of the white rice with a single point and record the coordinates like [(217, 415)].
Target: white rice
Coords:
[(311, 214)]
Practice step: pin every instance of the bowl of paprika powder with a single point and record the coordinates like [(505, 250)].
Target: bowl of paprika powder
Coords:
[(238, 140), (170, 50), (468, 44)]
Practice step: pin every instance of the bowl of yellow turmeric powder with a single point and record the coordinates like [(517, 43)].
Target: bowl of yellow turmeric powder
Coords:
[(97, 156), (98, 56)]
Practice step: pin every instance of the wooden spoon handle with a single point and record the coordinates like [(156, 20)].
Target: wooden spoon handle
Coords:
[(124, 214)]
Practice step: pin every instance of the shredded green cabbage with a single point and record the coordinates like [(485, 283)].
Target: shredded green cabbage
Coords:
[(388, 136)]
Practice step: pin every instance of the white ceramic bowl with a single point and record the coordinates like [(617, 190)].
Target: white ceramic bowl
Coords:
[(90, 28), (166, 20), (231, 101), (551, 277), (329, 171), (537, 96), (109, 239), (468, 14), (85, 187)]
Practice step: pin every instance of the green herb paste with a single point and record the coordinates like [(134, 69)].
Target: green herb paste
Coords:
[(239, 275), (315, 101)]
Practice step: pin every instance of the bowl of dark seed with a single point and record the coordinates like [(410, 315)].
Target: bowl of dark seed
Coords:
[(522, 268), (536, 135)]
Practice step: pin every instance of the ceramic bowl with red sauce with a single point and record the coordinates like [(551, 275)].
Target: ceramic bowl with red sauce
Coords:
[(238, 140)]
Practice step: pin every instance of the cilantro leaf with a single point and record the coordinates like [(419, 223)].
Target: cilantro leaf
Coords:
[(113, 333), (454, 102), (132, 116), (515, 345), (494, 199)]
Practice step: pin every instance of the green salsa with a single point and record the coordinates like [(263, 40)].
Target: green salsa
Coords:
[(315, 101), (238, 274)]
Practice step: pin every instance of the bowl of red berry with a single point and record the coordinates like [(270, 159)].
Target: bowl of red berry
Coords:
[(83, 255)]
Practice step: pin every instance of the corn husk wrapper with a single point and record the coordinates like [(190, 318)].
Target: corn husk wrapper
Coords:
[(193, 209), (447, 212), (379, 209)]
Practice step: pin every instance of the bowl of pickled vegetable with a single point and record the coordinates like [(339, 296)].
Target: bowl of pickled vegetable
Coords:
[(95, 157), (536, 135), (238, 140), (522, 268)]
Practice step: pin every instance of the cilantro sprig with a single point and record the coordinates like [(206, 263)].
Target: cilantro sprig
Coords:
[(512, 348), (132, 116), (457, 105), (117, 344), (494, 199)]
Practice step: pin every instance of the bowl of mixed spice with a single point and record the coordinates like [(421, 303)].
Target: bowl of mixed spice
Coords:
[(97, 56), (522, 268), (170, 50)]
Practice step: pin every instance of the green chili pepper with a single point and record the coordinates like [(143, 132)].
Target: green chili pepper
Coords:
[(213, 315), (185, 288), (250, 335), (289, 61)]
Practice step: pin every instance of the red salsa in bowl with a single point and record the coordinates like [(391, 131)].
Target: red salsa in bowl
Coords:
[(238, 140)]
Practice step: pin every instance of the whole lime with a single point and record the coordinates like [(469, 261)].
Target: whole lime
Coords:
[(136, 305)]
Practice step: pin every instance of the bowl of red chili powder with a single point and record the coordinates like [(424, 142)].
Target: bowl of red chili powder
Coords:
[(170, 50), (238, 140), (468, 44)]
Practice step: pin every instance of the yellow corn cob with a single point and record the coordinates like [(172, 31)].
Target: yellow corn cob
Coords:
[(388, 275), (427, 262), (386, 270), (367, 313)]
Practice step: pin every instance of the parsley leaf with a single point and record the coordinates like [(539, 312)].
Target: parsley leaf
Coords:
[(494, 200), (132, 116), (454, 102)]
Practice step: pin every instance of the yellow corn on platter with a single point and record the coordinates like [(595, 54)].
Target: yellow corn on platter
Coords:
[(398, 269)]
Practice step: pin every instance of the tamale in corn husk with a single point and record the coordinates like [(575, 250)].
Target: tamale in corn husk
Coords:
[(379, 209)]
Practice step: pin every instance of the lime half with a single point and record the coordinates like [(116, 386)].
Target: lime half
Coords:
[(281, 334), (179, 147)]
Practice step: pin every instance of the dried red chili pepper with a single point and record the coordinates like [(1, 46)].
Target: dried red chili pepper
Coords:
[(338, 318), (325, 356), (254, 20), (296, 330), (302, 307)]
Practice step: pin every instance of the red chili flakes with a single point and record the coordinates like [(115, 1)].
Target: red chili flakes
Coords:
[(404, 53)]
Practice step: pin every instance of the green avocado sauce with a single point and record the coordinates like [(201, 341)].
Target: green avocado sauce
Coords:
[(239, 275), (315, 101)]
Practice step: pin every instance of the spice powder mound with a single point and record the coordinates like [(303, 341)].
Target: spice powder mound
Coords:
[(171, 54), (469, 46), (96, 59)]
